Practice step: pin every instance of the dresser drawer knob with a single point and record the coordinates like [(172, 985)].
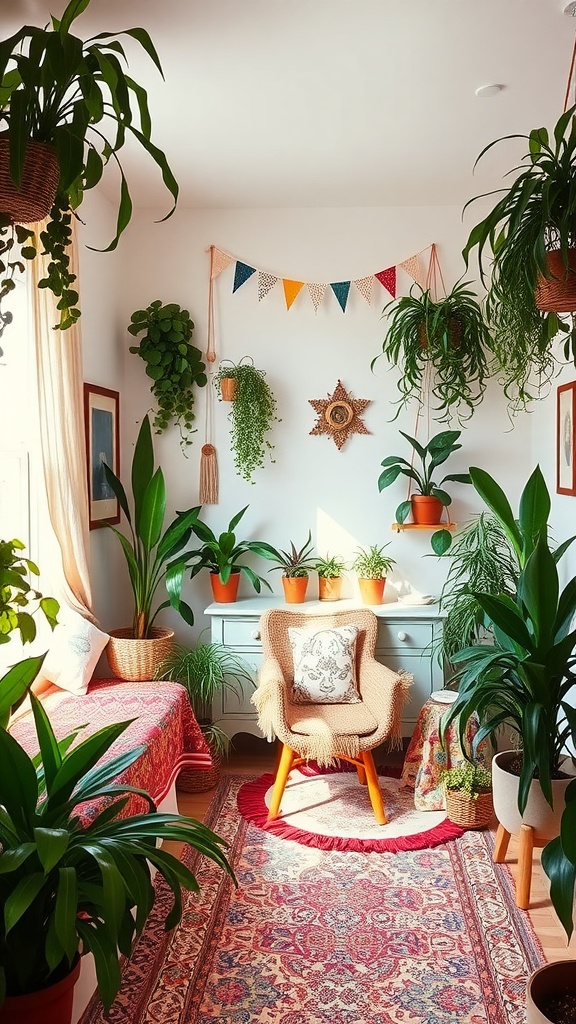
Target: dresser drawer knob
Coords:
[(255, 634), (402, 636)]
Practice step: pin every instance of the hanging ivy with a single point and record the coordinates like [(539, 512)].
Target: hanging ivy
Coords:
[(251, 416), (174, 365)]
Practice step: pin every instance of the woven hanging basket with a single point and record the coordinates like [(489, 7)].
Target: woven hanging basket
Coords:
[(468, 813), (557, 293), (40, 176), (194, 780), (137, 660), (454, 334)]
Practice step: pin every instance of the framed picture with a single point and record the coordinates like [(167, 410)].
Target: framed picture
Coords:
[(101, 420), (565, 438)]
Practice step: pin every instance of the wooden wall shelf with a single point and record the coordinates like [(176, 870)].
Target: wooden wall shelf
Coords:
[(399, 527)]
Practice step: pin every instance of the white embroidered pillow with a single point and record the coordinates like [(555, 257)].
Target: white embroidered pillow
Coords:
[(324, 665), (74, 651)]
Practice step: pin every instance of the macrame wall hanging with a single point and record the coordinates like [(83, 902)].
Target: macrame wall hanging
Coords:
[(208, 460), (339, 415)]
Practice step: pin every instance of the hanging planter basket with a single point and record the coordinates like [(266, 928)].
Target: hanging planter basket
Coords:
[(557, 293), (34, 199), (454, 332)]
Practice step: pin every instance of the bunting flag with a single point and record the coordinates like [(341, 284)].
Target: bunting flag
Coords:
[(241, 275), (265, 284), (341, 290), (291, 290), (220, 260)]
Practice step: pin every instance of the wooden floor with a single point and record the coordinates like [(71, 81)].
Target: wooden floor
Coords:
[(252, 757)]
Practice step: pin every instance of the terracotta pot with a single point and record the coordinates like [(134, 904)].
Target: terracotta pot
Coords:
[(52, 1005), (329, 588), (225, 593), (426, 509), (557, 293), (548, 982), (228, 388), (295, 589), (544, 819), (137, 660), (372, 591)]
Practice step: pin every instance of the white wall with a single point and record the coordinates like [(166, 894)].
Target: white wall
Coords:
[(311, 485)]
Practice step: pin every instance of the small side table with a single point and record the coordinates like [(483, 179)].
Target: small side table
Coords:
[(426, 759)]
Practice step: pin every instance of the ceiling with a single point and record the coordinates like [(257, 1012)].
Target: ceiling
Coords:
[(333, 103)]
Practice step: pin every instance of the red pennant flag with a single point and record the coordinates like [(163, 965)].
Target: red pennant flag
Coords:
[(387, 278)]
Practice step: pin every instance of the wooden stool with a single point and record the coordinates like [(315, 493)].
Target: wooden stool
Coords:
[(526, 844)]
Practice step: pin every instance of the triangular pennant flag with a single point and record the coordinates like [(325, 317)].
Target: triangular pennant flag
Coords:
[(291, 290), (341, 290), (265, 283), (316, 293), (387, 278), (414, 270), (364, 286), (220, 260), (241, 274)]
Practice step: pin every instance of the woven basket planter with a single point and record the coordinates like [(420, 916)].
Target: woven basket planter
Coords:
[(40, 176), (468, 813), (192, 780), (137, 660), (454, 334), (557, 294)]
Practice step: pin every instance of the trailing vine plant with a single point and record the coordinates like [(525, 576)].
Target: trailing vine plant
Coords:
[(251, 417), (174, 365)]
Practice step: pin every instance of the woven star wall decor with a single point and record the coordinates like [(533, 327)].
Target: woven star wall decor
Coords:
[(339, 415)]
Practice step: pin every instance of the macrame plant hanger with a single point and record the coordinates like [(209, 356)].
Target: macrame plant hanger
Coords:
[(208, 461)]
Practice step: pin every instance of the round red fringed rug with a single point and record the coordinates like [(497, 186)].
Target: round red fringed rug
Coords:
[(330, 810)]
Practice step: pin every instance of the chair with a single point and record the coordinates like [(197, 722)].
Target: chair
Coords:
[(327, 732)]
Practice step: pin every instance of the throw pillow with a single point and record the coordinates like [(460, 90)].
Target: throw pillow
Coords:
[(74, 651), (324, 665)]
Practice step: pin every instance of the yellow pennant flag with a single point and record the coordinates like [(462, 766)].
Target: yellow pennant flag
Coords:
[(291, 290)]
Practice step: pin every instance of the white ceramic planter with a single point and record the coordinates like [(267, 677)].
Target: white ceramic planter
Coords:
[(544, 819), (548, 981)]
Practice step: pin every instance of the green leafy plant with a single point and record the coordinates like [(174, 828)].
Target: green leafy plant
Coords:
[(152, 556), (535, 215), (18, 600), (431, 455), (78, 98), (331, 567), (451, 336), (222, 554), (174, 365), (296, 561), (65, 887), (251, 416), (372, 563), (469, 778)]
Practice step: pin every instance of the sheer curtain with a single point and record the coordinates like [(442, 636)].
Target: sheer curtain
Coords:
[(60, 399)]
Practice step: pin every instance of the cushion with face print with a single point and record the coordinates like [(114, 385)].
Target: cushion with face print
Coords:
[(324, 665)]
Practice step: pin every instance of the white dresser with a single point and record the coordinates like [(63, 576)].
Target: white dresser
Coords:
[(408, 638)]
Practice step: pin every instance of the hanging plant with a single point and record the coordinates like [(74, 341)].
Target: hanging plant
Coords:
[(174, 365), (447, 335), (252, 414)]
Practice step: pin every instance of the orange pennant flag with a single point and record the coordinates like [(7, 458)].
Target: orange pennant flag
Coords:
[(291, 290), (412, 267), (220, 260)]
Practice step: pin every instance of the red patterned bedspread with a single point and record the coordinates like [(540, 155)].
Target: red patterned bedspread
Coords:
[(164, 724)]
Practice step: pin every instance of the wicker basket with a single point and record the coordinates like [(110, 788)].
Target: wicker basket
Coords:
[(194, 780), (137, 660), (468, 813), (557, 293), (40, 175)]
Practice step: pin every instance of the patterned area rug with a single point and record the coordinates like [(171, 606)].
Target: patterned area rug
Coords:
[(332, 811), (310, 937)]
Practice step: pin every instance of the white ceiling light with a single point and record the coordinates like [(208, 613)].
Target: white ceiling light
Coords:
[(489, 90)]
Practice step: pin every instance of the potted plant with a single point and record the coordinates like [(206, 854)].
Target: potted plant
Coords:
[(174, 365), (468, 795), (531, 235), (66, 888), (252, 414), (18, 600), (330, 571), (451, 336), (429, 500), (154, 556), (295, 564), (207, 671), (372, 566), (59, 98), (221, 555), (551, 994)]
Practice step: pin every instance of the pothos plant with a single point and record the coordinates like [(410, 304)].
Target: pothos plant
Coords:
[(174, 365), (251, 417)]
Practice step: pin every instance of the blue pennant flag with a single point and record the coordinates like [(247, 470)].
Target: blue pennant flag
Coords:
[(341, 290), (241, 274)]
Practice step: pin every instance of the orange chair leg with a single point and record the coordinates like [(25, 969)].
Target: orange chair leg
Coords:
[(501, 846), (373, 787), (524, 879), (361, 774), (286, 758)]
